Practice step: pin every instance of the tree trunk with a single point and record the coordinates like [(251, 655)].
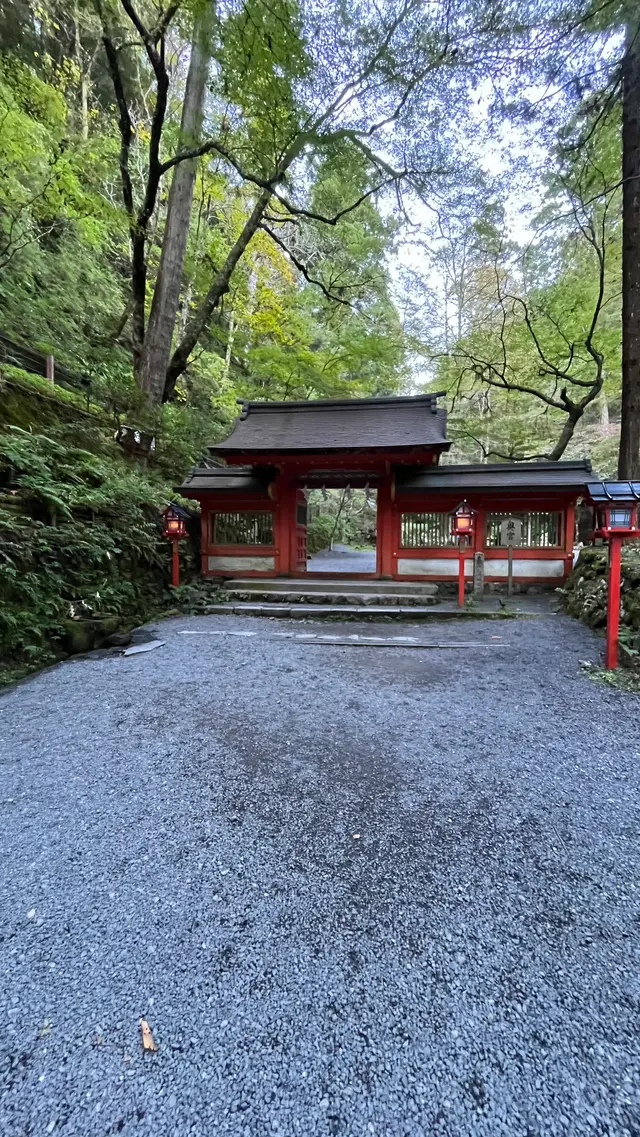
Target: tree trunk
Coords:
[(166, 295), (566, 434), (219, 288), (229, 352), (629, 456), (84, 78)]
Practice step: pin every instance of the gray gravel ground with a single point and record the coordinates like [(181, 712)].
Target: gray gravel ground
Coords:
[(353, 891), (343, 559)]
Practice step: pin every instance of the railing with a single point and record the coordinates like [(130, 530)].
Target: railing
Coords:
[(426, 531), (245, 528), (539, 530), (38, 363)]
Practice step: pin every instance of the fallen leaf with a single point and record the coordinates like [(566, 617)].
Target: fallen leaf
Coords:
[(147, 1037), (45, 1029)]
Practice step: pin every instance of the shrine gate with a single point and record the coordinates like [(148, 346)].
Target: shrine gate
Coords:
[(251, 488)]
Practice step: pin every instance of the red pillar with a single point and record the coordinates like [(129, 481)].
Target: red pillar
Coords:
[(175, 563), (205, 529), (613, 602), (461, 553), (285, 497), (569, 537), (385, 530)]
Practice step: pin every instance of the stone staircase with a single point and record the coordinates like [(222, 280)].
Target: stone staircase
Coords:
[(333, 598)]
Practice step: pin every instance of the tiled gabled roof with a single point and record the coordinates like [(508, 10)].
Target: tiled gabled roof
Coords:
[(319, 425), (498, 475), (211, 475)]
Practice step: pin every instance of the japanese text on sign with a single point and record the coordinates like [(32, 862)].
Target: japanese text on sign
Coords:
[(511, 531)]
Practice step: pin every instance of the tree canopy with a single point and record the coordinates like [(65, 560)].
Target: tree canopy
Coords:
[(294, 200)]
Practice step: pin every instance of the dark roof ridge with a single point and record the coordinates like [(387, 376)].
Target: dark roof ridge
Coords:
[(546, 464), (265, 407)]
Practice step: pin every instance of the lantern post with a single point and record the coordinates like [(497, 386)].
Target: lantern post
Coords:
[(463, 523), (613, 602), (174, 529), (616, 520)]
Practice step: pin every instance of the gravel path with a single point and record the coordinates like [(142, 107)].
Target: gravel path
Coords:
[(353, 891), (343, 559)]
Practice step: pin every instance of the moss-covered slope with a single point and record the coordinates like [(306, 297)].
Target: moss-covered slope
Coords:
[(79, 523), (585, 594)]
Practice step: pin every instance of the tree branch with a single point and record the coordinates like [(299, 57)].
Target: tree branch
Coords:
[(303, 269)]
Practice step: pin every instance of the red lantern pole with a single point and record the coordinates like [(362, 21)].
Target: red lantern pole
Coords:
[(461, 572), (613, 601), (175, 566)]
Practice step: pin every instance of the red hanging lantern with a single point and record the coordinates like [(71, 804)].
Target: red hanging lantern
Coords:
[(174, 524), (174, 529), (463, 520)]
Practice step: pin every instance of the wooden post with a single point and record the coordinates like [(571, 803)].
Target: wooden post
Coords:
[(280, 493), (175, 566), (51, 369), (385, 542), (461, 548), (613, 602)]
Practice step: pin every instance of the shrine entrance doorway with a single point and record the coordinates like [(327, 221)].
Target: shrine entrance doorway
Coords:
[(340, 535)]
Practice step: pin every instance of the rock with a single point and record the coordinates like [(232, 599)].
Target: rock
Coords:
[(84, 635), (118, 639)]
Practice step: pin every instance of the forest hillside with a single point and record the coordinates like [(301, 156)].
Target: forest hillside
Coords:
[(285, 200)]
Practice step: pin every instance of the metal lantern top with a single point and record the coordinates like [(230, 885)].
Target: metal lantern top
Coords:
[(616, 505), (174, 525), (463, 520)]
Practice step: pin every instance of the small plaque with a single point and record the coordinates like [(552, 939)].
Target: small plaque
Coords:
[(510, 531)]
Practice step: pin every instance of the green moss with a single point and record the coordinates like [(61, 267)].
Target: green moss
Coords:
[(585, 592)]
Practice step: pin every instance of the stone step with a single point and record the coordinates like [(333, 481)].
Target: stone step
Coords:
[(351, 612), (382, 599), (332, 584)]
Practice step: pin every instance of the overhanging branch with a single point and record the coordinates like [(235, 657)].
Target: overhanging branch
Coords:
[(303, 269)]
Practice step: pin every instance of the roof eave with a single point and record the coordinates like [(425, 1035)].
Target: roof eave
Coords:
[(413, 447)]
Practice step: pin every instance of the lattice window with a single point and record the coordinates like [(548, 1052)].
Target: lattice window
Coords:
[(426, 531), (255, 528), (539, 530)]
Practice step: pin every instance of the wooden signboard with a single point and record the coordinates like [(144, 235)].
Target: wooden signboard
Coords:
[(510, 532), (510, 535)]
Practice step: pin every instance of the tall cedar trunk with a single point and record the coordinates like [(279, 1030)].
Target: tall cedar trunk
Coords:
[(629, 457), (166, 296)]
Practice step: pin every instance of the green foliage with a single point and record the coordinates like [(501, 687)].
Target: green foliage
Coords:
[(79, 536), (346, 516), (319, 532)]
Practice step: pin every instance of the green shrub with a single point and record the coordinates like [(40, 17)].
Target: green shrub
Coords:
[(319, 532), (79, 536)]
